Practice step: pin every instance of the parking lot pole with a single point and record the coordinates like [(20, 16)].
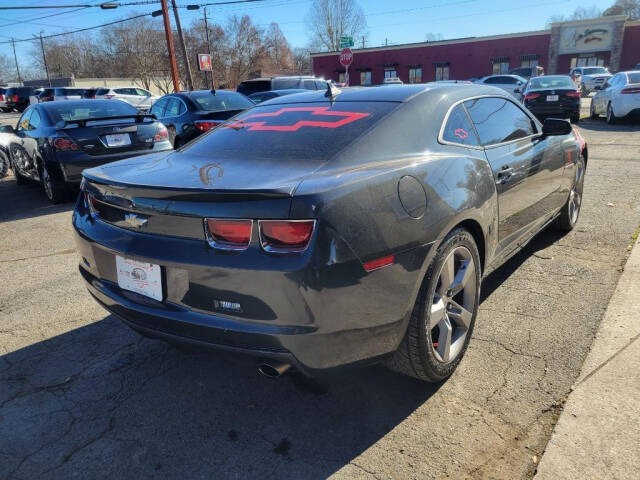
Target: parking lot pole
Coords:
[(172, 51), (206, 29), (44, 58), (183, 46), (15, 57)]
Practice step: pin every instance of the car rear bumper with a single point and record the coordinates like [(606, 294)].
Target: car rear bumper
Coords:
[(559, 110), (312, 315), (73, 163)]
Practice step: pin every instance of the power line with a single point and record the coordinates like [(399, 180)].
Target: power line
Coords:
[(41, 17)]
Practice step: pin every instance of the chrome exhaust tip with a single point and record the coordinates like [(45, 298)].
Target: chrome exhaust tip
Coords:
[(273, 370)]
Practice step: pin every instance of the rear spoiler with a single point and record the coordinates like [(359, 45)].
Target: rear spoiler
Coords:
[(83, 121)]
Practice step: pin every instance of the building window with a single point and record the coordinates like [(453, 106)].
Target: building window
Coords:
[(365, 78), (442, 72), (529, 63), (587, 61), (500, 68), (415, 75), (390, 72)]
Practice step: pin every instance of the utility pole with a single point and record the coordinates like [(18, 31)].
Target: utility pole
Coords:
[(363, 41), (44, 57), (172, 51), (206, 29), (15, 57), (183, 45)]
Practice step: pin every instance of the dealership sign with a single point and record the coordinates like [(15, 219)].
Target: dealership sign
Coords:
[(204, 62), (584, 38), (346, 42)]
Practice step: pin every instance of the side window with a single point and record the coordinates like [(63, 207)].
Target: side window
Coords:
[(34, 120), (121, 91), (183, 109), (142, 93), (321, 85), (158, 108), (508, 80), (23, 123), (173, 107), (491, 80), (309, 84), (459, 129), (498, 120)]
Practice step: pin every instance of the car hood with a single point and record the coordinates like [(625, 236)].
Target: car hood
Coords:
[(180, 170)]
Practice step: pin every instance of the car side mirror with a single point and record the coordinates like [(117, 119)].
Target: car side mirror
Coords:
[(598, 87), (517, 90), (556, 126), (7, 129)]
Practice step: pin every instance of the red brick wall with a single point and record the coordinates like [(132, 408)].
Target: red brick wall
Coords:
[(466, 60), (630, 47)]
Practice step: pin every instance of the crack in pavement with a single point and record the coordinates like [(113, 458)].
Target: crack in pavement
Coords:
[(53, 254)]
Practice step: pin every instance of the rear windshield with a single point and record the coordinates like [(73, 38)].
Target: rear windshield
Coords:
[(69, 91), (634, 77), (551, 82), (247, 88), (102, 91), (594, 70), (88, 109), (221, 102), (310, 131), (19, 91), (286, 83)]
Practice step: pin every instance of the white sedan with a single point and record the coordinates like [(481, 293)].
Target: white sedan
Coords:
[(513, 84), (138, 97), (618, 97)]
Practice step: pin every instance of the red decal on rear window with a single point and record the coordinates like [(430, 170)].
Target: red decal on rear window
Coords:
[(461, 132), (344, 118)]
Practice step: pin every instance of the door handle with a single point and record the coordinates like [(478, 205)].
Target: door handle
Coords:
[(504, 175)]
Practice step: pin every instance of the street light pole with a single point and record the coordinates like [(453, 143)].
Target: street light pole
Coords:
[(172, 51), (206, 29), (44, 58), (182, 45), (15, 57)]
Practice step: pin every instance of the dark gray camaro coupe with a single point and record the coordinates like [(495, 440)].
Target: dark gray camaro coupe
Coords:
[(324, 229)]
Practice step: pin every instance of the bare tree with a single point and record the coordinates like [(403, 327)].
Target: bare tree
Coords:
[(580, 13), (245, 49), (625, 7), (278, 55), (433, 37), (7, 69), (302, 61), (328, 20)]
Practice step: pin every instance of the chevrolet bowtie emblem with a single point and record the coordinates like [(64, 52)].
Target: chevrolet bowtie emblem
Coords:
[(135, 221)]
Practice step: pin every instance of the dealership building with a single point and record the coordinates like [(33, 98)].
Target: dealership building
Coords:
[(613, 42)]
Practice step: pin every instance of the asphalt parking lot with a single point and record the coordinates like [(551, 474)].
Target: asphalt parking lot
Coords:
[(83, 396)]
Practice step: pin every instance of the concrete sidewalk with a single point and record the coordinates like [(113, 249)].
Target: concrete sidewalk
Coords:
[(598, 433)]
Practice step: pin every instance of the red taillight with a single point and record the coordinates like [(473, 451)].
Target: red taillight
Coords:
[(574, 94), (204, 125), (631, 90), (93, 204), (162, 133), (228, 234), (15, 99), (285, 235), (378, 263), (64, 144), (531, 96), (1, 97)]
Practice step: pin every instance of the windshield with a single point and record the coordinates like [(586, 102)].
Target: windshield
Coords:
[(594, 70), (302, 132), (221, 102), (551, 82), (88, 109), (634, 77)]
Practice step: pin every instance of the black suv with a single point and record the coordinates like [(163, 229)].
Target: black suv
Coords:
[(18, 97), (256, 85)]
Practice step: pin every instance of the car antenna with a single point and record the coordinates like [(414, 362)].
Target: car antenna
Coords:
[(332, 90)]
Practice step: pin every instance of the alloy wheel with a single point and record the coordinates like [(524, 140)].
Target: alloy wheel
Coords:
[(46, 182), (575, 197), (453, 305)]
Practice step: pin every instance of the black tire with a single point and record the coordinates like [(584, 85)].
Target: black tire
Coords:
[(53, 184), (4, 164), (592, 112), (570, 212), (575, 117), (611, 117), (416, 355)]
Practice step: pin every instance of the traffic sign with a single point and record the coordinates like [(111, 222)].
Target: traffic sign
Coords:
[(346, 57), (204, 62), (346, 42)]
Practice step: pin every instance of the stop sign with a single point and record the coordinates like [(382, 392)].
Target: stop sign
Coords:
[(346, 57)]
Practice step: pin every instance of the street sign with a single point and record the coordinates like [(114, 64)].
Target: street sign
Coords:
[(346, 57), (346, 42), (204, 62)]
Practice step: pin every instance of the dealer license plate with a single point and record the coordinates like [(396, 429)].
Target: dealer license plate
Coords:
[(139, 277), (552, 98), (118, 140)]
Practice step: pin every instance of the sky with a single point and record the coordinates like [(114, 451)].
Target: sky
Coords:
[(400, 21)]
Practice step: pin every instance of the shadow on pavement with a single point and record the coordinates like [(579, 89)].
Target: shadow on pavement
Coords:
[(600, 125), (26, 201), (106, 402)]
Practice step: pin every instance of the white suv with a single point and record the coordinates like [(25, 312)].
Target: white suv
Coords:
[(136, 96)]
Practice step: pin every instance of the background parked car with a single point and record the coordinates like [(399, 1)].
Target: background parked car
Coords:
[(89, 93), (589, 77), (54, 141), (281, 83), (17, 98), (618, 97), (67, 93), (35, 96), (553, 96), (136, 96), (509, 83), (392, 81), (527, 72), (260, 97), (3, 102), (189, 114), (46, 95)]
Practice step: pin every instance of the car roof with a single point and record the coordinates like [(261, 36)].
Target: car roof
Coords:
[(78, 103), (391, 93), (553, 76), (266, 79), (192, 93), (283, 91)]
